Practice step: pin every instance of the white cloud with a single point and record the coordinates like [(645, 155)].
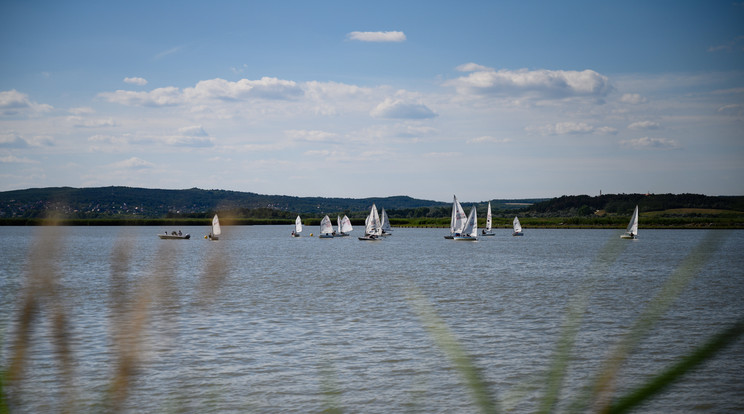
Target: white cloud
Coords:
[(311, 135), (539, 84), (644, 125), (136, 81), (79, 122), (377, 36), (12, 159), (650, 143), (13, 102), (633, 99), (452, 155), (732, 110), (570, 128), (398, 109), (473, 67), (209, 90), (82, 110), (265, 88), (168, 96), (12, 140), (133, 163), (193, 131), (486, 139)]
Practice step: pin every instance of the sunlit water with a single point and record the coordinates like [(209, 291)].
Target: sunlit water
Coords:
[(261, 322)]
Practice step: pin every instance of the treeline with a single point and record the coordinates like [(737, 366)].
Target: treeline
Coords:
[(623, 204)]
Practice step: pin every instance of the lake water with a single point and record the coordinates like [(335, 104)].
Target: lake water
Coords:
[(262, 322)]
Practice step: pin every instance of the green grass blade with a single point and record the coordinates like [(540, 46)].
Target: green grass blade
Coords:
[(666, 378), (447, 342), (574, 315)]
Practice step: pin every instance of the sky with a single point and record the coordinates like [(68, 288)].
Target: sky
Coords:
[(480, 99)]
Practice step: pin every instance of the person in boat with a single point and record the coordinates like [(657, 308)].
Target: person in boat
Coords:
[(179, 232), (293, 233)]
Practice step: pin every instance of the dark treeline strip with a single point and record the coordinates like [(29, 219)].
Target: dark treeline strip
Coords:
[(607, 222)]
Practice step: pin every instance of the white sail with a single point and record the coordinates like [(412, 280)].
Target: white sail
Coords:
[(298, 225), (385, 226), (346, 225), (338, 223), (457, 222), (633, 224), (471, 224), (517, 225), (216, 230), (488, 218), (373, 222), (325, 226)]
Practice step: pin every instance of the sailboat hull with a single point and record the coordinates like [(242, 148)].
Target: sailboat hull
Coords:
[(465, 238), (517, 233), (628, 236), (325, 236), (487, 234)]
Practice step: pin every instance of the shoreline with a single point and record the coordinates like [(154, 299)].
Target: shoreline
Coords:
[(680, 223)]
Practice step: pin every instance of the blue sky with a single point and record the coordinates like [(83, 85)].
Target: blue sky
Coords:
[(343, 99)]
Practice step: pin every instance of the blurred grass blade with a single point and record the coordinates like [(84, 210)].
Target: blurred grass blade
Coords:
[(600, 392), (666, 378), (574, 315), (447, 342)]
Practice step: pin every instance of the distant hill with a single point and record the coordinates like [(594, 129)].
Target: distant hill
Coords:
[(131, 202), (623, 204), (107, 202)]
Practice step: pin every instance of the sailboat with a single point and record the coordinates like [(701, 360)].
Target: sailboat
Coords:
[(632, 231), (385, 226), (326, 228), (372, 228), (298, 227), (457, 222), (344, 226), (517, 227), (470, 232), (489, 222), (216, 229)]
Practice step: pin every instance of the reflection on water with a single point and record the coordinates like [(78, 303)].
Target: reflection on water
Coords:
[(113, 318)]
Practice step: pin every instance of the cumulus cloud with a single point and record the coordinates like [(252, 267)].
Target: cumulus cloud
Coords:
[(399, 109), (136, 81), (310, 135), (168, 96), (13, 102), (570, 128), (377, 36), (82, 110), (80, 122), (12, 159), (193, 131), (650, 143), (486, 139), (539, 84), (732, 110), (633, 99), (133, 163), (213, 89), (644, 125), (11, 140)]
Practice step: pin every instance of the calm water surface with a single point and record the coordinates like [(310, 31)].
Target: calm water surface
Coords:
[(261, 322)]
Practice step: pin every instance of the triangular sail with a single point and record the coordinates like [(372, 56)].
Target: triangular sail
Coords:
[(633, 224), (346, 225), (488, 217), (325, 226), (373, 222), (385, 226), (517, 225), (471, 224), (216, 230), (298, 225), (457, 222)]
